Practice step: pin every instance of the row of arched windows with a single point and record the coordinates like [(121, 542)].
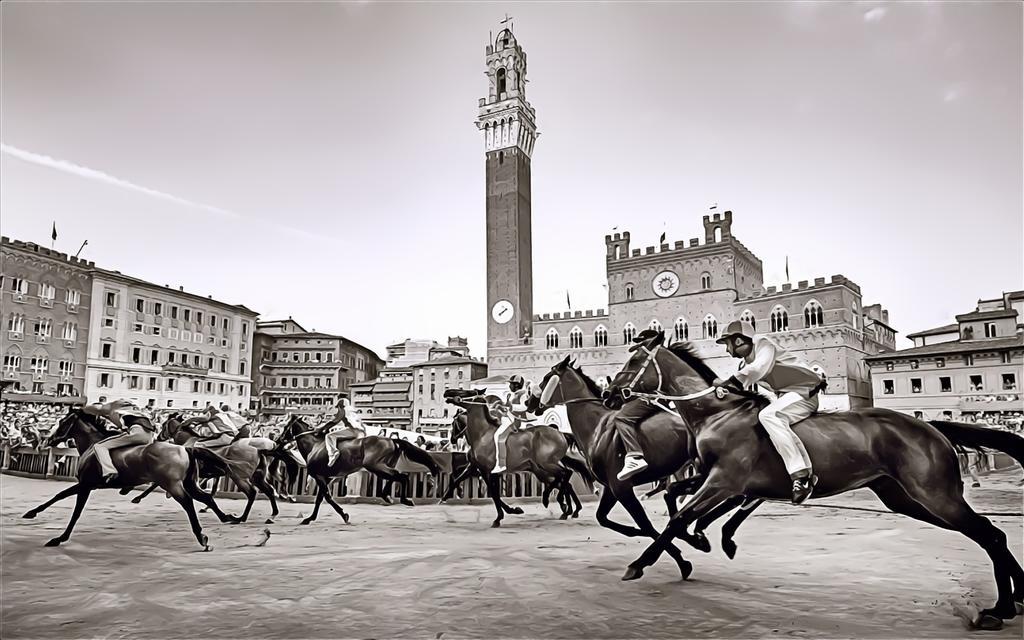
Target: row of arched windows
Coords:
[(779, 321)]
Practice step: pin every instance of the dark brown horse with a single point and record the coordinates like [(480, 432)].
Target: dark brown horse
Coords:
[(375, 454), (170, 466), (667, 445), (541, 450), (246, 465), (463, 468), (911, 465)]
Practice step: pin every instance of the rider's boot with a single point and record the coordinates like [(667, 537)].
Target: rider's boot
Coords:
[(633, 464), (803, 486)]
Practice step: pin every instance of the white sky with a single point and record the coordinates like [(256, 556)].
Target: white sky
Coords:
[(320, 160)]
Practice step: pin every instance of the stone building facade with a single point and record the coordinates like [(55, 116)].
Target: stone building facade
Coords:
[(431, 414), (692, 290), (45, 302), (306, 372), (166, 348), (972, 369)]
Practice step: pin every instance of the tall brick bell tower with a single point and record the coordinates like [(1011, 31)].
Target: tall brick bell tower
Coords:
[(508, 123)]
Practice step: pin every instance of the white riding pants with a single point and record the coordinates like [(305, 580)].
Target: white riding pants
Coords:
[(778, 418), (137, 435), (500, 436)]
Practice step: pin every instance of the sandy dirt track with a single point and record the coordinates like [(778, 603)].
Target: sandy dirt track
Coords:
[(440, 572)]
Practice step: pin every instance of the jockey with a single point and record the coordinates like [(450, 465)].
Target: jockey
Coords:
[(140, 431), (345, 425), (513, 412), (628, 420), (796, 385), (218, 430)]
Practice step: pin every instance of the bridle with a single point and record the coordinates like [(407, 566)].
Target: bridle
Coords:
[(658, 395)]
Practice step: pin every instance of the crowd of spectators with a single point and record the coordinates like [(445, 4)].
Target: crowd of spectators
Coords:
[(26, 424)]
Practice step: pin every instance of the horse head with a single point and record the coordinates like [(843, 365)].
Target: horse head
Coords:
[(653, 366), (73, 423)]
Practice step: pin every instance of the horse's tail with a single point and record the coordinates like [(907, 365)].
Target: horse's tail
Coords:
[(191, 479), (417, 455), (214, 463), (975, 437), (582, 468)]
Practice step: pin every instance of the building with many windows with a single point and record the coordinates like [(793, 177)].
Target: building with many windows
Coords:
[(408, 392), (306, 372), (691, 290), (45, 302), (166, 348), (968, 370)]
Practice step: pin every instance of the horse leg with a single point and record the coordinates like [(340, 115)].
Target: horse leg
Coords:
[(575, 498), (183, 497), (322, 483), (212, 492), (679, 488), (150, 489), (706, 498), (260, 481), (494, 489), (945, 507), (197, 493), (81, 498), (70, 491), (604, 507), (636, 511), (455, 482), (316, 506), (748, 507)]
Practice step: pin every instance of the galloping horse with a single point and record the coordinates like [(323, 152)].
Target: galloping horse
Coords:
[(667, 443), (463, 468), (172, 467), (541, 450), (375, 454), (246, 467), (911, 465)]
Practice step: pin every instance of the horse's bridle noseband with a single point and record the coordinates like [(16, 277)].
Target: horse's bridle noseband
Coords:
[(653, 397)]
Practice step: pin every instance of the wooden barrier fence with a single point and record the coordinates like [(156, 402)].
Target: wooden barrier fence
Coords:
[(62, 464)]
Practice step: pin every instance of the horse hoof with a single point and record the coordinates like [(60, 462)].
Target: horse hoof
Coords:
[(30, 515), (496, 524), (987, 622), (516, 511), (685, 569), (268, 521), (729, 547), (306, 521), (138, 500), (345, 517), (576, 515), (564, 516), (700, 543), (632, 573), (54, 542), (386, 500), (408, 503)]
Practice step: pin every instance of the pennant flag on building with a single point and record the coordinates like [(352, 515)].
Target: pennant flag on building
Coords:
[(567, 302), (662, 241), (787, 268), (53, 235)]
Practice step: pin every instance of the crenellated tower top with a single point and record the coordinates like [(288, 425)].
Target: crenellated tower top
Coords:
[(506, 118)]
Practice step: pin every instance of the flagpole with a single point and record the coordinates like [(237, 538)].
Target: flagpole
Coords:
[(81, 247)]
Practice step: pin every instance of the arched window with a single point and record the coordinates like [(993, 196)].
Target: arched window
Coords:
[(551, 339), (500, 78), (681, 330), (16, 324), (780, 319), (705, 281), (12, 360), (747, 316), (629, 291), (628, 333), (576, 338), (654, 325), (814, 316), (709, 328), (600, 336)]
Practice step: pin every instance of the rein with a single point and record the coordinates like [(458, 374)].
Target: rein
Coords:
[(658, 394)]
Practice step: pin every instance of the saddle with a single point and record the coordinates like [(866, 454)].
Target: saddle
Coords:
[(207, 443)]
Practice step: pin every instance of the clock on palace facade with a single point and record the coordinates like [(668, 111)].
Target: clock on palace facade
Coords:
[(665, 284)]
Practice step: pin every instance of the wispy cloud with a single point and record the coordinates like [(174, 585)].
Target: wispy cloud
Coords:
[(99, 176), (875, 15)]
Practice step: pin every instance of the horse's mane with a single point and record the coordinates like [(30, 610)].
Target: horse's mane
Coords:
[(592, 386), (96, 423), (688, 354)]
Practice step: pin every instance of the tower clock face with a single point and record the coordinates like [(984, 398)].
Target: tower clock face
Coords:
[(502, 311), (665, 284)]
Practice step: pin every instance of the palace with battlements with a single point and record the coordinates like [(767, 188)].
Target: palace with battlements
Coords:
[(691, 290)]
